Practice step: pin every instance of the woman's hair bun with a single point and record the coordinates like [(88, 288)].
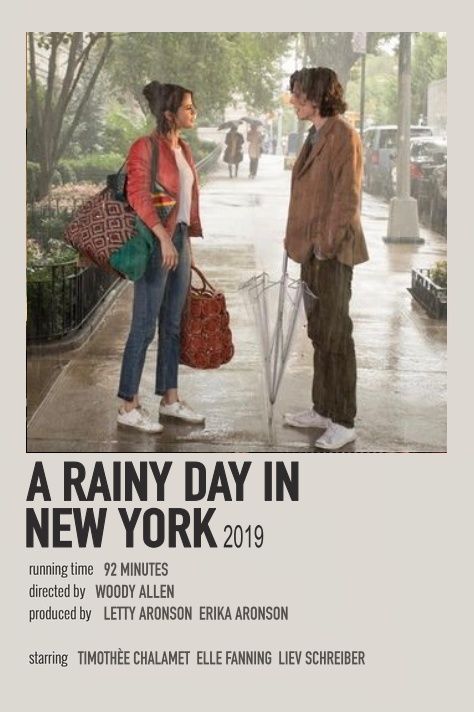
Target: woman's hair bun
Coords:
[(151, 91)]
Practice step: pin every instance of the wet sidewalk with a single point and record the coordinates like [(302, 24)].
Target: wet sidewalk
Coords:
[(401, 351)]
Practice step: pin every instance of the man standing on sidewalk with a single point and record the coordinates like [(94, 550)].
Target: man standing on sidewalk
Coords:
[(325, 235)]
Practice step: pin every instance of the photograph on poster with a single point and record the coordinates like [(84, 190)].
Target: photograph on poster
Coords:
[(300, 179)]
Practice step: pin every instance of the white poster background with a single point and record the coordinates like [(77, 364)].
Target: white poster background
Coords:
[(376, 555)]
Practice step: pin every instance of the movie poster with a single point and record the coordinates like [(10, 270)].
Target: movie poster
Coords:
[(216, 562)]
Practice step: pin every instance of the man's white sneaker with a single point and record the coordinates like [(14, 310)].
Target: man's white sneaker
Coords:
[(335, 437), (139, 419), (180, 410), (307, 419)]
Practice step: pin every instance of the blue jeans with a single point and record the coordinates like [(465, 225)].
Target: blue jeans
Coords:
[(159, 296)]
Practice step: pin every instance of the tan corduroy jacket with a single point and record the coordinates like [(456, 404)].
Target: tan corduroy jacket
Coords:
[(324, 210)]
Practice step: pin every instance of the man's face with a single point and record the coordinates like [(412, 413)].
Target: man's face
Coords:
[(304, 108)]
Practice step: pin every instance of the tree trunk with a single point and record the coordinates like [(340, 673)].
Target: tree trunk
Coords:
[(331, 49), (48, 115), (44, 181)]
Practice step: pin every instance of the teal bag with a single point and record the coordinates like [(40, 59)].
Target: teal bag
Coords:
[(132, 258)]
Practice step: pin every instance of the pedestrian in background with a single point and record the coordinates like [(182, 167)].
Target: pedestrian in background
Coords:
[(324, 234), (160, 295), (233, 154), (254, 139)]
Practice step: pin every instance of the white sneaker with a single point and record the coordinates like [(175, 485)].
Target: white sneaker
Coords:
[(180, 410), (139, 419), (307, 419), (335, 437)]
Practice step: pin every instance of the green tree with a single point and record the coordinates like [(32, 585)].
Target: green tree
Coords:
[(429, 62), (381, 88), (52, 122), (121, 128), (214, 65), (258, 72), (334, 49), (89, 132)]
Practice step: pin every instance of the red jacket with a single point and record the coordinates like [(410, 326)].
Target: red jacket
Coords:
[(138, 182)]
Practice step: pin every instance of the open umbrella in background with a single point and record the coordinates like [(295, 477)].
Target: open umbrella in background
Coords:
[(253, 122), (229, 124), (275, 306)]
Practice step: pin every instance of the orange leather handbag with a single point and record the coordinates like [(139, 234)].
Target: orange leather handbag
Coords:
[(206, 338)]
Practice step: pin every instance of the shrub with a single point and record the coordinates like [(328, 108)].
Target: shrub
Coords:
[(46, 225), (59, 251), (67, 197), (68, 174), (203, 150), (120, 131), (56, 178), (39, 257), (200, 149), (439, 274), (34, 253), (95, 167)]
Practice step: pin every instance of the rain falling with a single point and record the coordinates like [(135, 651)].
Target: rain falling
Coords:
[(320, 216)]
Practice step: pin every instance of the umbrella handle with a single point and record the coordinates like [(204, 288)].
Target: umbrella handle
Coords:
[(285, 262)]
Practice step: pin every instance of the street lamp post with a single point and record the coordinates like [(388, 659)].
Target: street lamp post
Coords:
[(403, 216), (359, 46)]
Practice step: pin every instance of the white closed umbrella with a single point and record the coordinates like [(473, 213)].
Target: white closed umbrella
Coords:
[(275, 328)]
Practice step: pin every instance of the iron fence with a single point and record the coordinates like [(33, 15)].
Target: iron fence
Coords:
[(62, 297), (430, 295)]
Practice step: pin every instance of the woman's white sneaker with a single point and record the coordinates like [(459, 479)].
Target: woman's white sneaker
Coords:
[(139, 419), (307, 419), (182, 411), (335, 437)]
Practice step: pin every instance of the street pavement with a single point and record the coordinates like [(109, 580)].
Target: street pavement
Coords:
[(401, 351)]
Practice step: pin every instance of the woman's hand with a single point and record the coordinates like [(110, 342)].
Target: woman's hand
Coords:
[(193, 261), (169, 254)]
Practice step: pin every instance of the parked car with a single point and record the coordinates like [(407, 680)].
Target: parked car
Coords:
[(427, 154), (380, 145)]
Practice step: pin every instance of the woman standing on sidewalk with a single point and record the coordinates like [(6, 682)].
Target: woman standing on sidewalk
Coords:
[(160, 295)]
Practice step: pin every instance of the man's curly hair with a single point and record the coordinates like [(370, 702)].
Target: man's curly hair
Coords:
[(322, 87)]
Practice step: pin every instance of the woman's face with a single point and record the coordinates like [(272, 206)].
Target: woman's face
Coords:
[(186, 114)]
